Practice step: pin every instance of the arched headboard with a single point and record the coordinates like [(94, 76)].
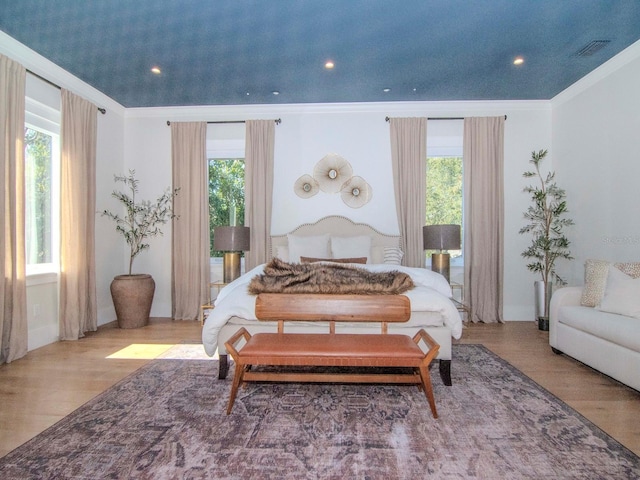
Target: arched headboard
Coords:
[(339, 226)]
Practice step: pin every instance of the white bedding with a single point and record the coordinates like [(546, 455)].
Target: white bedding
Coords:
[(432, 293)]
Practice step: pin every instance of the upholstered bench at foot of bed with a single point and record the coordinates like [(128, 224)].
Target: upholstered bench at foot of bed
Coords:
[(443, 365), (332, 350)]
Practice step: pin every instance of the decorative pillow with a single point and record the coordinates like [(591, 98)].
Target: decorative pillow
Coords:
[(282, 253), (622, 294), (311, 246), (351, 247), (334, 260), (377, 254), (630, 268), (393, 255), (595, 280)]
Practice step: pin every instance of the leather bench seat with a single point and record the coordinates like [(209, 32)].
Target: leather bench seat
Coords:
[(334, 350)]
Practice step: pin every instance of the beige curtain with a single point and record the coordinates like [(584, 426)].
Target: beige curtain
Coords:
[(190, 230), (13, 294), (409, 160), (483, 157), (258, 188), (78, 132)]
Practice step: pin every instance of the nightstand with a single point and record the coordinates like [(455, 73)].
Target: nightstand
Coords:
[(218, 285), (457, 286), (459, 303)]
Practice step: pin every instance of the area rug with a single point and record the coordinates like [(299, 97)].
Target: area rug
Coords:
[(168, 421)]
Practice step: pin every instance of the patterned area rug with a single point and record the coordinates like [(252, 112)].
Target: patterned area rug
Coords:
[(168, 421)]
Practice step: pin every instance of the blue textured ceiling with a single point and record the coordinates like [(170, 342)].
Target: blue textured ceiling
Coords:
[(234, 52)]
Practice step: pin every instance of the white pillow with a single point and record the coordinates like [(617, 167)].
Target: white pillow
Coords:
[(377, 254), (393, 255), (311, 246), (282, 252), (621, 295), (351, 247)]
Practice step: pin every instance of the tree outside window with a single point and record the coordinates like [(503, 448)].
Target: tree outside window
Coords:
[(226, 195), (39, 199), (444, 194)]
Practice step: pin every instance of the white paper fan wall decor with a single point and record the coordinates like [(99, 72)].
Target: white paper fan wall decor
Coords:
[(331, 172), (356, 192), (306, 186)]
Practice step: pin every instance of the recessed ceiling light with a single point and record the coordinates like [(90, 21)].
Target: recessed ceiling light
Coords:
[(386, 90), (518, 61), (156, 70), (276, 92), (329, 65)]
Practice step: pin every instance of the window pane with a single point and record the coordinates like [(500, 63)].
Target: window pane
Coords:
[(39, 199), (444, 193), (226, 195)]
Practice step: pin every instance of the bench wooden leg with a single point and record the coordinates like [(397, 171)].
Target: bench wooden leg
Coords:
[(445, 372), (237, 381), (428, 389)]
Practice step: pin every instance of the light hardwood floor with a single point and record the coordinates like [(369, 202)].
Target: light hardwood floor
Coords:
[(52, 381)]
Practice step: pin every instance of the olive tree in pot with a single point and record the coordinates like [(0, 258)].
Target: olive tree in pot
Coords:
[(546, 223), (132, 294)]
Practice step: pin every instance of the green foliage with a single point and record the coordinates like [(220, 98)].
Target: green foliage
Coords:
[(444, 192), (546, 222), (142, 219), (226, 194), (38, 192)]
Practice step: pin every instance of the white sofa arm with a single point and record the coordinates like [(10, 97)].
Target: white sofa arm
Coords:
[(561, 297)]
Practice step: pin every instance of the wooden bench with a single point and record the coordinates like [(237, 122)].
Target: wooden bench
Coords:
[(332, 349)]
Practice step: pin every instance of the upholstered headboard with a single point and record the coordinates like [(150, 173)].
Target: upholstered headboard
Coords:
[(339, 226)]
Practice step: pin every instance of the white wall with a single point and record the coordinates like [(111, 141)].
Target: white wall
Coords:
[(359, 133), (596, 153), (111, 256)]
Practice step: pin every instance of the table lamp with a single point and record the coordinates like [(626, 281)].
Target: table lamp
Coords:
[(441, 238), (231, 241)]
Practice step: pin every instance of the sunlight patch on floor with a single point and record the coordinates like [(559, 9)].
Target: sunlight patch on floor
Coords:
[(150, 351), (143, 351)]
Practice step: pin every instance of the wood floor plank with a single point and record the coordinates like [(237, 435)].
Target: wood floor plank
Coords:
[(52, 381)]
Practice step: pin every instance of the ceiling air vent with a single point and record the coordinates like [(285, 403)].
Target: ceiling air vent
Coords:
[(592, 47)]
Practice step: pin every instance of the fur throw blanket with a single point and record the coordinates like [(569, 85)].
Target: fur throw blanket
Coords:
[(282, 277)]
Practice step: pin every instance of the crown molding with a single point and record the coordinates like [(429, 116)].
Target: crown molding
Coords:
[(36, 63), (612, 65), (428, 109)]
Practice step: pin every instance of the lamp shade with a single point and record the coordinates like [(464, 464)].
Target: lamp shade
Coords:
[(231, 239), (441, 237)]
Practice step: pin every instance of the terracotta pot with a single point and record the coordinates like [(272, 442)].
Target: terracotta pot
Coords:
[(132, 297)]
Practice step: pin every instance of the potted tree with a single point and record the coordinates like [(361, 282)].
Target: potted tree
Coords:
[(546, 222), (132, 294)]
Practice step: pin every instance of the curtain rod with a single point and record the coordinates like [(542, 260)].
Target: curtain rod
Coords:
[(386, 119), (277, 120), (100, 109)]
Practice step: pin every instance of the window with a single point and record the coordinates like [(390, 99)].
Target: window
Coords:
[(226, 194), (444, 183), (42, 159), (444, 190)]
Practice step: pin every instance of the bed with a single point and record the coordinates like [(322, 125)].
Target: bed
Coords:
[(337, 237)]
